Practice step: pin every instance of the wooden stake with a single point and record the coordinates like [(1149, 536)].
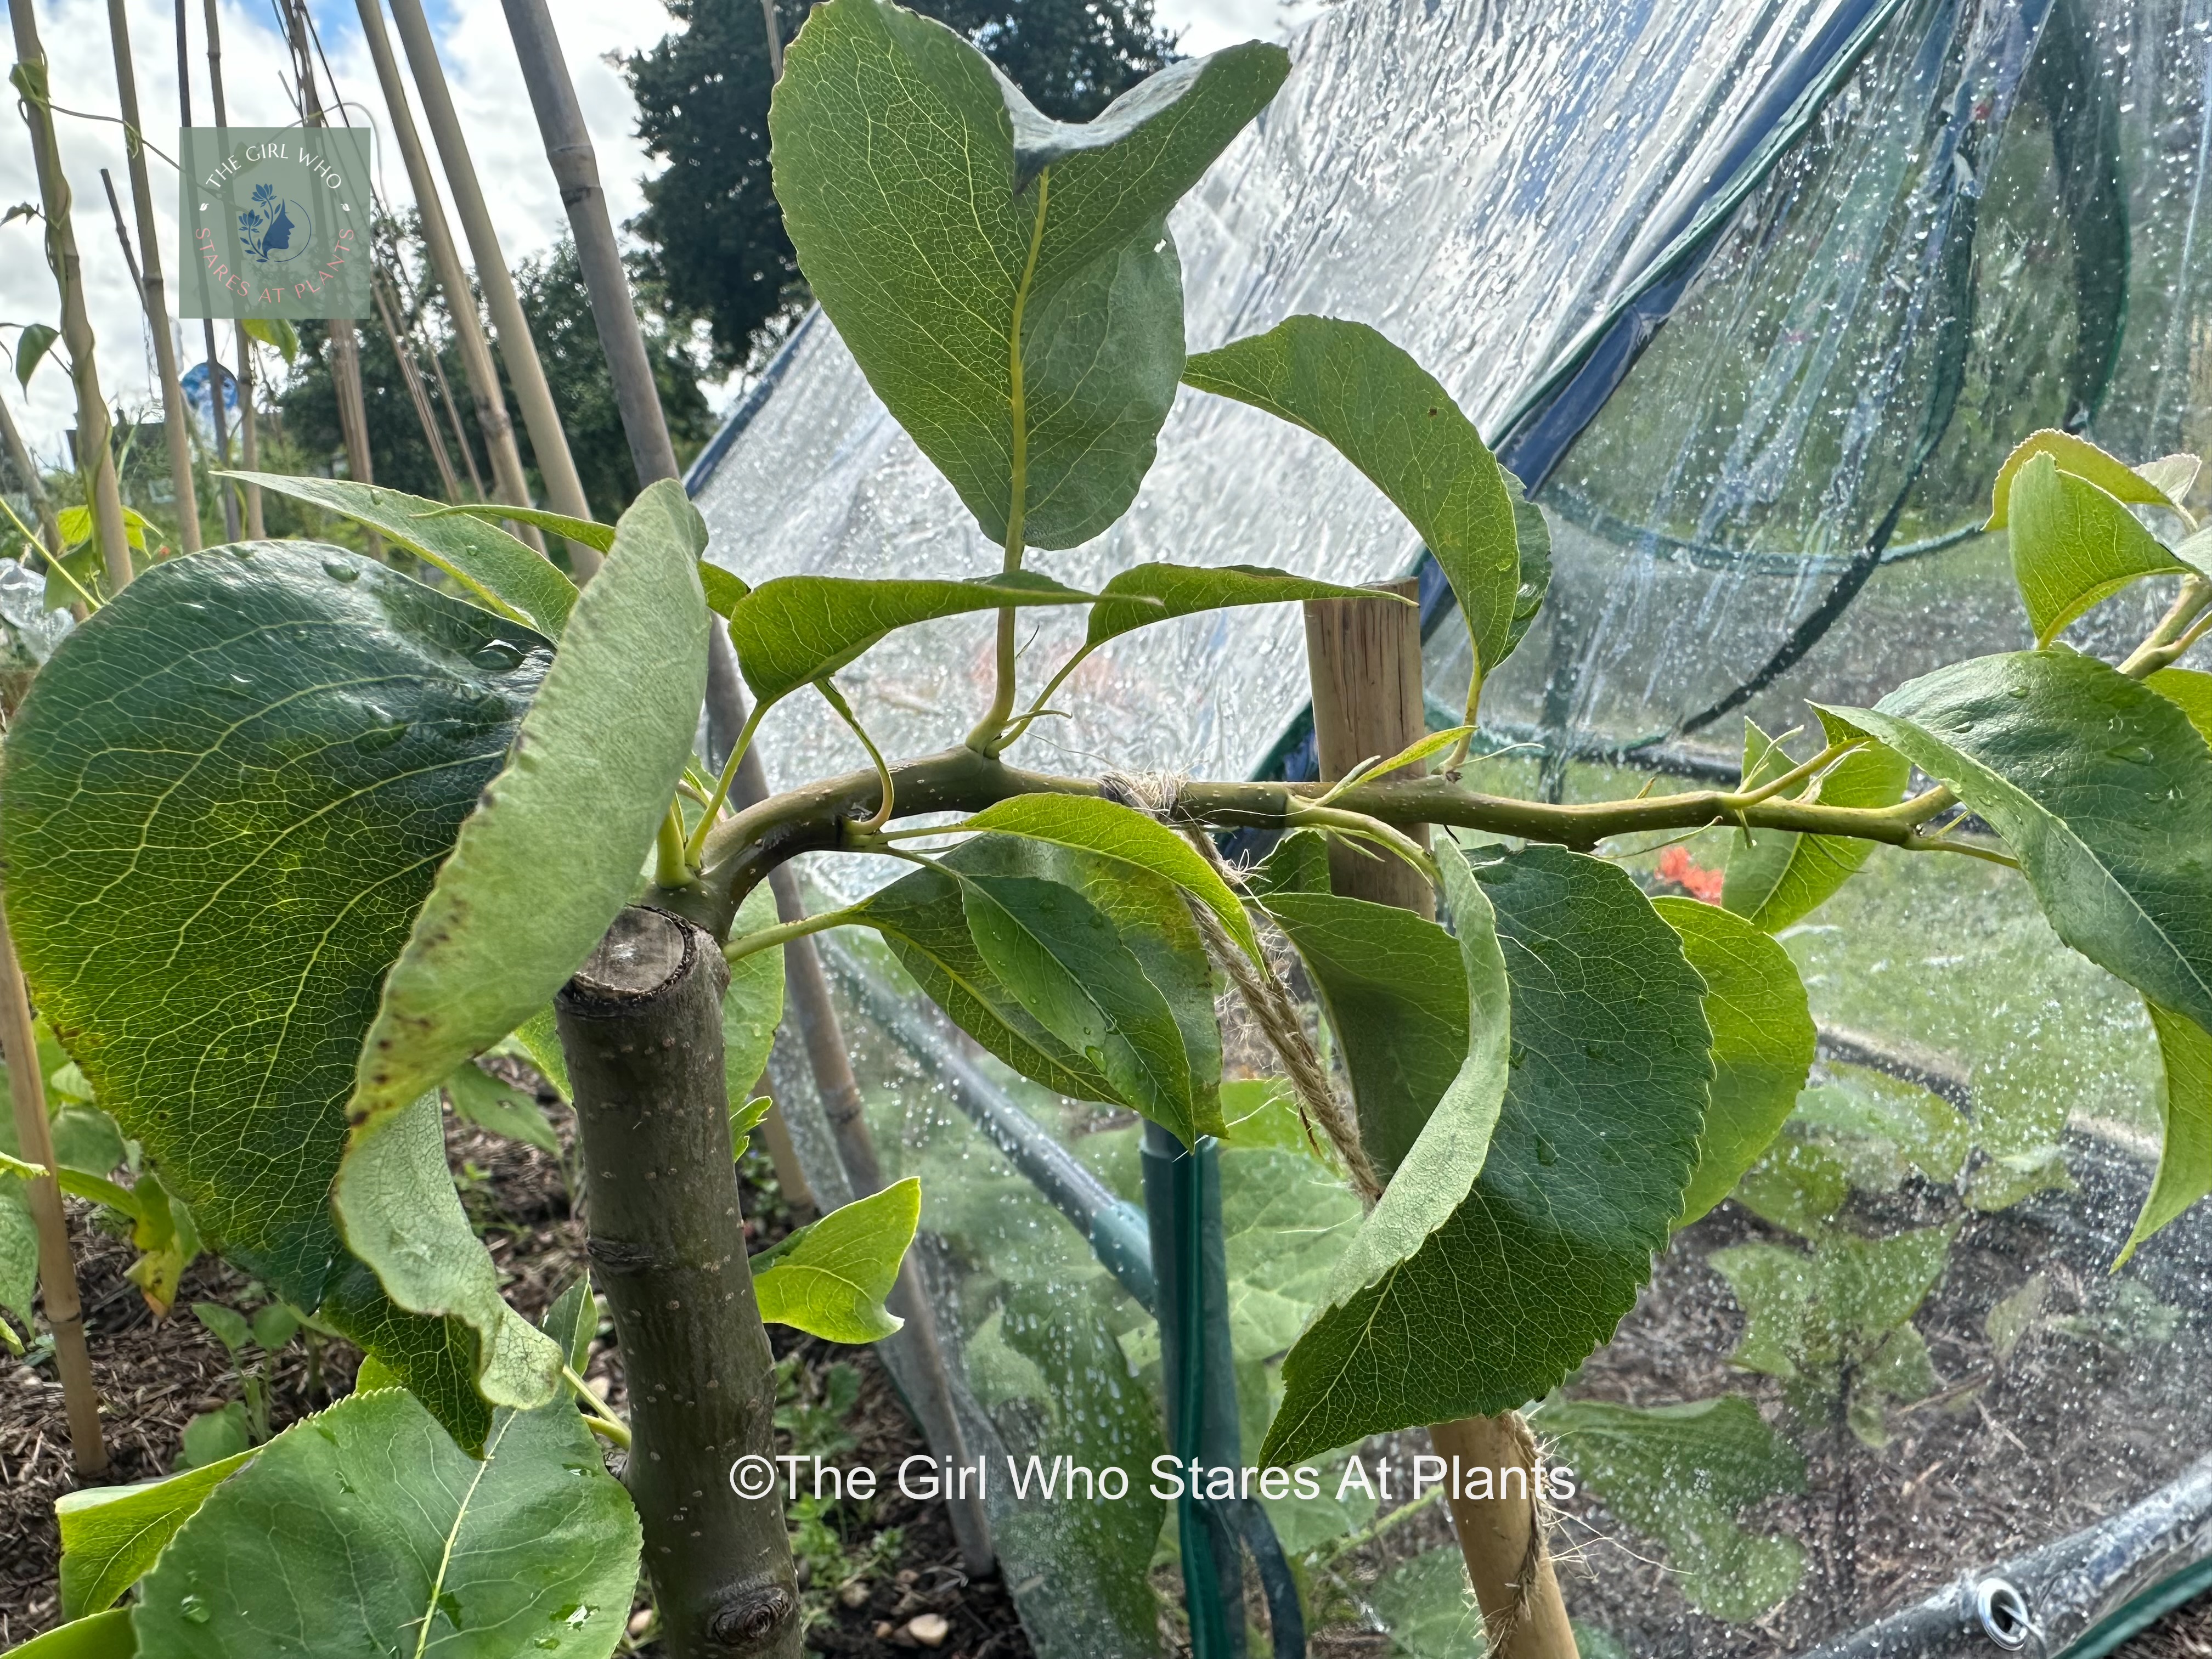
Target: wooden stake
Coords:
[(1366, 663), (95, 454), (147, 276), (56, 1269), (549, 443)]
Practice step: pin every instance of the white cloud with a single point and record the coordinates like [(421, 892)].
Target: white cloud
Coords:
[(487, 92)]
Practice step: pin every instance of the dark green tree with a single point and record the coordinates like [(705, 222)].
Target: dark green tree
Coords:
[(714, 242)]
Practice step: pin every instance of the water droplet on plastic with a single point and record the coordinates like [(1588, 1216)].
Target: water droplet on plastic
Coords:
[(195, 1609), (499, 654), (339, 571)]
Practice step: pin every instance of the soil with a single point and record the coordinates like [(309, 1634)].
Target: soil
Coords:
[(898, 1555)]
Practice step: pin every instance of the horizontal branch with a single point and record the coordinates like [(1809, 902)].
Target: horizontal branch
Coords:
[(824, 817)]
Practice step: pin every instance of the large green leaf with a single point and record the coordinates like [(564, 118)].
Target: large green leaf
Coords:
[(1146, 593), (539, 870), (111, 1535), (365, 1526), (1834, 1305), (1605, 1087), (2074, 546), (2079, 457), (752, 1005), (225, 799), (1776, 877), (923, 921), (1389, 417), (2100, 784), (1090, 823), (2189, 689), (1065, 963), (1679, 1474), (1396, 997), (793, 631), (1440, 1168), (499, 1107), (103, 1636), (830, 1278), (1762, 1043), (508, 575), (2185, 1160), (1533, 534), (1006, 283)]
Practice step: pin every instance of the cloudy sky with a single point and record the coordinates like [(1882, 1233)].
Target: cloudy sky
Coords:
[(487, 89)]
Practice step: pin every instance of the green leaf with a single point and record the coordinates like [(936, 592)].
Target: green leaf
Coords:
[(18, 1247), (274, 332), (1006, 283), (1065, 963), (31, 346), (539, 1040), (2185, 1160), (364, 1525), (538, 871), (1605, 1090), (573, 1322), (752, 1007), (1534, 535), (2102, 788), (111, 1534), (1777, 877), (1681, 1474), (791, 631), (1389, 417), (2189, 688), (2074, 546), (1297, 863), (437, 1360), (75, 523), (2171, 475), (2079, 457), (744, 1119), (274, 1325), (1092, 824), (599, 538), (103, 1636), (502, 1110), (1762, 1043), (723, 590), (1147, 594), (922, 919), (1428, 1607), (215, 1437), (1440, 1170), (830, 1278), (1835, 1303), (253, 756), (1396, 997), (506, 575), (228, 1324), (86, 1138)]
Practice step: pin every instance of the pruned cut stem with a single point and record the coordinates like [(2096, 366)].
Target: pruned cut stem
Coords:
[(640, 1027)]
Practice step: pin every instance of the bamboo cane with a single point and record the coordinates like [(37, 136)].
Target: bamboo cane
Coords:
[(213, 366), (50, 526), (775, 41), (147, 276), (56, 1269), (476, 366), (345, 342), (564, 489), (94, 454), (249, 437), (423, 412)]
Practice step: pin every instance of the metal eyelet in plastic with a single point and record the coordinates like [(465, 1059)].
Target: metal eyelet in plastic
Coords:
[(2002, 1610)]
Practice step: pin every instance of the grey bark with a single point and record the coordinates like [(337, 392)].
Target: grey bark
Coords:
[(640, 1028)]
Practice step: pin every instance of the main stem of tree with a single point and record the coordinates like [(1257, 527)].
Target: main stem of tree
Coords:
[(641, 1026)]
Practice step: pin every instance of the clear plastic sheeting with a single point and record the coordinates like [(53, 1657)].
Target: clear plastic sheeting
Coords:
[(1469, 177), (1899, 1356)]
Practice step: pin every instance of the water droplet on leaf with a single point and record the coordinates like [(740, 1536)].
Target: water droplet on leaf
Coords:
[(499, 654), (195, 1609), (339, 571)]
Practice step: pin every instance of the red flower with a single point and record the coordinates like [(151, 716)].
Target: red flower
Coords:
[(1694, 879)]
